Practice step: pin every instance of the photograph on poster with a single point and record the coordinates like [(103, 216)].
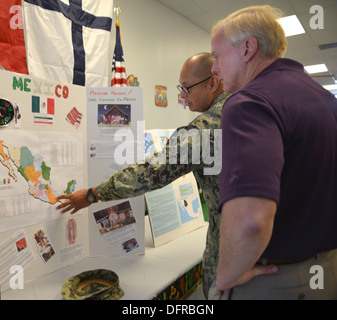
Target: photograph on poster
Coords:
[(129, 245), (71, 231), (114, 115), (21, 244), (114, 217), (44, 246)]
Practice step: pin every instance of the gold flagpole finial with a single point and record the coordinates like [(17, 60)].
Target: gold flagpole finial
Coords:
[(118, 10)]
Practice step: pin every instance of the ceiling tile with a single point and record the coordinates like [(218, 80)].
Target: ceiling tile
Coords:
[(303, 48)]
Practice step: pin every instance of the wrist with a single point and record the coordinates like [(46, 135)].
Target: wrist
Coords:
[(91, 198), (94, 191)]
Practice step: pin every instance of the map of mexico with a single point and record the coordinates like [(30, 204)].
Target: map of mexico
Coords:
[(33, 169)]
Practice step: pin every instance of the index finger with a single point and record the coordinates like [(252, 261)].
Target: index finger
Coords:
[(63, 197)]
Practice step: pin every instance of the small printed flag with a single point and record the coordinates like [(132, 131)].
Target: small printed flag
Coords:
[(43, 105), (6, 181), (118, 63), (43, 120), (74, 117)]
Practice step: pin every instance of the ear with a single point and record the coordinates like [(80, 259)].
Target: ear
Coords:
[(214, 83), (250, 46)]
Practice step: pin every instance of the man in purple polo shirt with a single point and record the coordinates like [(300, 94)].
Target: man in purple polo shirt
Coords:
[(278, 185)]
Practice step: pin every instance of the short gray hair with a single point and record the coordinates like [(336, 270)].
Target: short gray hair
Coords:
[(261, 22)]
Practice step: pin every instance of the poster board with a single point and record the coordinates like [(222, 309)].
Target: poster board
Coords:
[(43, 153), (115, 134), (175, 209)]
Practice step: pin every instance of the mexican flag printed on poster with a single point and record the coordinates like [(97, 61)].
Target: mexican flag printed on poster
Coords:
[(43, 109), (43, 105)]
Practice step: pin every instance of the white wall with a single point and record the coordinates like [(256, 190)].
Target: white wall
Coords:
[(156, 42)]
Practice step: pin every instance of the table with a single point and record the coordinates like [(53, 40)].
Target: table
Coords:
[(142, 277)]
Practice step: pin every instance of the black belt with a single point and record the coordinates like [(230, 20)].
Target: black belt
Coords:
[(266, 261)]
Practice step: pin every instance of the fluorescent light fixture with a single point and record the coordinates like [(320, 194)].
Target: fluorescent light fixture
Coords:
[(316, 68), (331, 87), (291, 25)]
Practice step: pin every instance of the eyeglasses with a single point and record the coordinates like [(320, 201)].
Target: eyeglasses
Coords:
[(186, 89)]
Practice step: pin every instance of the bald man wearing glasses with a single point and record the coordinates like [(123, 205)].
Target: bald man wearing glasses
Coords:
[(203, 93)]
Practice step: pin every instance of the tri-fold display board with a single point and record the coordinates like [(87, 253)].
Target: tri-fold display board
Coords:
[(176, 208), (61, 138), (58, 138)]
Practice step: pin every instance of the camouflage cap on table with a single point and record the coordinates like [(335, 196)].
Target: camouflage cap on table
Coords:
[(97, 284)]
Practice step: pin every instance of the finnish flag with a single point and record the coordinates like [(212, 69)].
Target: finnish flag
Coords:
[(69, 40)]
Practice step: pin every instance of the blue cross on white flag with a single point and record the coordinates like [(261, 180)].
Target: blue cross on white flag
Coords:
[(69, 40)]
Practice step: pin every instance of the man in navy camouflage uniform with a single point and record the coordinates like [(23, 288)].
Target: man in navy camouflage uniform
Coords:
[(203, 93)]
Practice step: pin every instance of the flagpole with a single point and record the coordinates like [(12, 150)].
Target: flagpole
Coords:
[(118, 10), (118, 64)]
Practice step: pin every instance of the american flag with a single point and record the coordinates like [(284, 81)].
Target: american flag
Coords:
[(118, 64)]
